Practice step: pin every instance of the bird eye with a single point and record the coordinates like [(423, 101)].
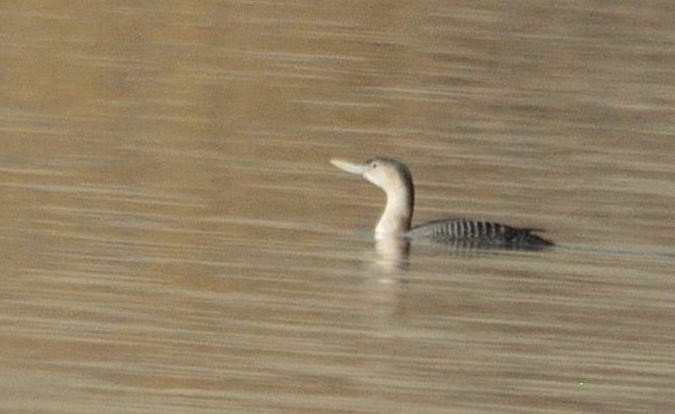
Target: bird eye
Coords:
[(374, 165)]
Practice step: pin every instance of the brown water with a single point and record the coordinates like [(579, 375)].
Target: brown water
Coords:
[(174, 240)]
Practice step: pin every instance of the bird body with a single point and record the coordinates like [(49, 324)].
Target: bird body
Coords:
[(395, 179)]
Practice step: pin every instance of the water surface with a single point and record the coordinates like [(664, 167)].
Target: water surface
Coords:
[(174, 239)]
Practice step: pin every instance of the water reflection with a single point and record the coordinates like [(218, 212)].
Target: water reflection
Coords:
[(392, 254)]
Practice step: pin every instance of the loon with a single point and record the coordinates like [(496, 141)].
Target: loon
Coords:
[(395, 179)]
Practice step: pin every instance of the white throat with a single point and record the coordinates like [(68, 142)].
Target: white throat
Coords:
[(395, 220)]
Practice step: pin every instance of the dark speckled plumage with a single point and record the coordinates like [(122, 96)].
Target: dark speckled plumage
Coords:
[(483, 233)]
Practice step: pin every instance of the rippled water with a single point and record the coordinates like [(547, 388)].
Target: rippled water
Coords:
[(174, 239)]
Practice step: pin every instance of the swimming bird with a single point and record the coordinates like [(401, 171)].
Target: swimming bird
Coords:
[(395, 179)]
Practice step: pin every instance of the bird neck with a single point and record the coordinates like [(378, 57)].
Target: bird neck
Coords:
[(397, 215)]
